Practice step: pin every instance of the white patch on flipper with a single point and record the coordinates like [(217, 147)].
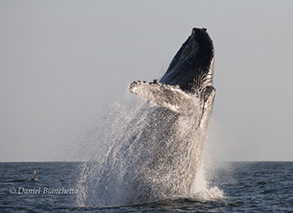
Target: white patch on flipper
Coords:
[(167, 96)]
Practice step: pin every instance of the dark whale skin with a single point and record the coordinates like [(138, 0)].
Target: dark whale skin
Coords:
[(192, 66)]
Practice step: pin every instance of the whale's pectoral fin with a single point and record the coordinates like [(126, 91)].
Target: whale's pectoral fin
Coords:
[(208, 97), (167, 96)]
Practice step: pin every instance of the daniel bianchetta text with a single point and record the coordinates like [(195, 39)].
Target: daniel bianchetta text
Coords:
[(43, 190)]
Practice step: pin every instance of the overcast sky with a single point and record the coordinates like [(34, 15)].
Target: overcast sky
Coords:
[(61, 62)]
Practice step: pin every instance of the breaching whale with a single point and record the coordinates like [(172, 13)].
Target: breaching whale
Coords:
[(157, 154), (185, 95)]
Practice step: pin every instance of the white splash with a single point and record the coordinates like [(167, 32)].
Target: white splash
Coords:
[(152, 154)]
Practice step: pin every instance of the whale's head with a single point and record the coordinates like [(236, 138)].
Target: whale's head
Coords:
[(192, 66), (191, 71)]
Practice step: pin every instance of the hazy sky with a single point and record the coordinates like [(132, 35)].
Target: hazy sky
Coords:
[(62, 61)]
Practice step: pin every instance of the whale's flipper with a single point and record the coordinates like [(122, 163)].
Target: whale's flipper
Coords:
[(167, 96), (208, 98)]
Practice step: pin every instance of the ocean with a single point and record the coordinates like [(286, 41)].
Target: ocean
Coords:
[(245, 187)]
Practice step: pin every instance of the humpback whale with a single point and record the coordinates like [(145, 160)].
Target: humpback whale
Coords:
[(159, 152), (185, 95)]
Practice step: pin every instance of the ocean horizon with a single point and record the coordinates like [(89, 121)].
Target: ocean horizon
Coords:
[(249, 186)]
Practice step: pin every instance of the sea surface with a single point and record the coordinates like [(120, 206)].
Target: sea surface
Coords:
[(246, 187)]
